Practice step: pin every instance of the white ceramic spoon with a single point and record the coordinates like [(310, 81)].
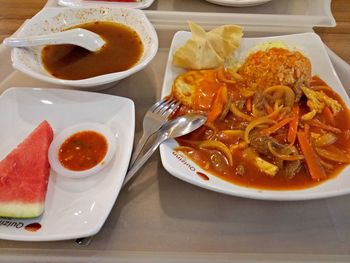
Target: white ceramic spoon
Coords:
[(78, 36)]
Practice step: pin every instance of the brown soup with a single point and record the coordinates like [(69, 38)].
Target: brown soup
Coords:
[(122, 50)]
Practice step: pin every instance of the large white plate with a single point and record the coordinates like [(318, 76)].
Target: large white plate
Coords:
[(181, 167), (74, 207), (78, 3), (238, 3)]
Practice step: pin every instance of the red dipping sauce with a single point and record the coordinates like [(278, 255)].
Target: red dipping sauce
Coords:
[(83, 150)]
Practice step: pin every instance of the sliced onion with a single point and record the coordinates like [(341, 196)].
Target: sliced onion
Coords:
[(219, 146), (289, 93), (326, 165), (226, 108), (238, 146), (221, 76), (235, 111), (334, 154), (284, 157), (325, 140), (233, 133), (257, 113), (255, 123), (234, 74), (212, 127)]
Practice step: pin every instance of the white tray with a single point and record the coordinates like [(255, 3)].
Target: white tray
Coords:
[(162, 219), (285, 13), (277, 12)]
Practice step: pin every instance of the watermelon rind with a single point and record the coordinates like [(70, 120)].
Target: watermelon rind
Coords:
[(21, 210)]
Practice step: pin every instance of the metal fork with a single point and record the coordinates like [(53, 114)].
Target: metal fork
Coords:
[(153, 120)]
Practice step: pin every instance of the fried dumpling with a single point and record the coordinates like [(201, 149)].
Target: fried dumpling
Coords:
[(208, 49)]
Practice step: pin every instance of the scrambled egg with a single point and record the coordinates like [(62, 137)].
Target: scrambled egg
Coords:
[(196, 89), (316, 101)]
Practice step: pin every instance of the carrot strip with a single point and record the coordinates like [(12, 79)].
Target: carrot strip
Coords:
[(307, 129), (326, 127), (218, 104), (293, 125), (276, 127), (248, 104), (329, 116), (312, 161)]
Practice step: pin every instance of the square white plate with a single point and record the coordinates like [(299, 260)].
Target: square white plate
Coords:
[(78, 3), (183, 168), (74, 207)]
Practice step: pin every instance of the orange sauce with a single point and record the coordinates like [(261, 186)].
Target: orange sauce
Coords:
[(122, 50), (83, 150), (206, 89)]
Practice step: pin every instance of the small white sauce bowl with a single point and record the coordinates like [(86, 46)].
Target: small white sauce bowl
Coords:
[(57, 142)]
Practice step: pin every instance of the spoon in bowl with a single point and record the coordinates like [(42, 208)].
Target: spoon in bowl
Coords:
[(78, 36)]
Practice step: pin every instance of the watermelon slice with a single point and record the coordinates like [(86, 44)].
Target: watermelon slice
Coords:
[(24, 175)]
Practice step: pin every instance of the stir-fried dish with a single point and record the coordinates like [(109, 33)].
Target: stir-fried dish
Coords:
[(271, 124)]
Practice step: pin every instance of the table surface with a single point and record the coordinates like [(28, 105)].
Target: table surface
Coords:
[(324, 223), (14, 12)]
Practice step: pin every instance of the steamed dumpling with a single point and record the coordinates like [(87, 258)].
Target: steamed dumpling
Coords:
[(208, 49)]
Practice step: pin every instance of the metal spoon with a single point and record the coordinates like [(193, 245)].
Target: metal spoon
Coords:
[(178, 127), (78, 36)]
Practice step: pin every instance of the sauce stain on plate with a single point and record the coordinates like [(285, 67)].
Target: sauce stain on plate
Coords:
[(33, 227), (203, 176)]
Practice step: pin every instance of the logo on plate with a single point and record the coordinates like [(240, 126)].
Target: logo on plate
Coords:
[(13, 223), (185, 162)]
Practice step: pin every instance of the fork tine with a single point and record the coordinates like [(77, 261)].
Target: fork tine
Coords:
[(163, 107), (172, 108), (166, 106), (158, 103)]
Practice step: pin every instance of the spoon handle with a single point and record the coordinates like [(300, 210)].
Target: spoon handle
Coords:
[(139, 162), (78, 36)]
